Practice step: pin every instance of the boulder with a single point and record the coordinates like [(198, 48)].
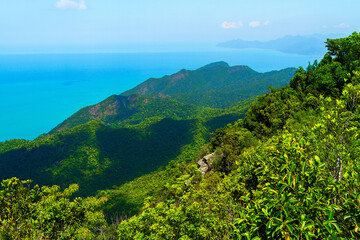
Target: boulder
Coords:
[(206, 163)]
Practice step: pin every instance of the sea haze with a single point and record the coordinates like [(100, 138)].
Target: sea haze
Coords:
[(37, 92)]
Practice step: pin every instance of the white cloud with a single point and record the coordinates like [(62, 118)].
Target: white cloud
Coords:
[(342, 25), (70, 4), (267, 23), (254, 24), (228, 25), (324, 26)]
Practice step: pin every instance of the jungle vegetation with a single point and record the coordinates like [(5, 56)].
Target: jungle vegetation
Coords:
[(288, 170)]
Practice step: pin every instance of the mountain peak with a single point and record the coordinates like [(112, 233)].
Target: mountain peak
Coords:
[(215, 64)]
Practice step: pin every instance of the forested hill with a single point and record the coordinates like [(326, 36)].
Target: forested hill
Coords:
[(119, 143), (181, 95), (214, 85), (124, 137)]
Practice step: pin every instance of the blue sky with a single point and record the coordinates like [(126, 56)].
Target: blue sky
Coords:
[(106, 22)]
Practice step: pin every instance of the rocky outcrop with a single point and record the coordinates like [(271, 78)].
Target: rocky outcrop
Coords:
[(206, 163)]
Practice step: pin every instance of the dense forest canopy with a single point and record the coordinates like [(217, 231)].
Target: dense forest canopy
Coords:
[(288, 170)]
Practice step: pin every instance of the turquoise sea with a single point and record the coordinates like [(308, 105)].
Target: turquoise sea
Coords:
[(38, 91)]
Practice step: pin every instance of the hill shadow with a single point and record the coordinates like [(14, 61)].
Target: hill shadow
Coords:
[(133, 153), (127, 153)]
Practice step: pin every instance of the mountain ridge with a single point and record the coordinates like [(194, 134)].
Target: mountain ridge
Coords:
[(206, 86)]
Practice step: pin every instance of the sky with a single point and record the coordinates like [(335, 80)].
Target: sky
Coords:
[(112, 22)]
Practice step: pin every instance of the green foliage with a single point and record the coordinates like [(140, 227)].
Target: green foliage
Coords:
[(307, 180), (326, 78), (294, 194), (46, 213), (12, 145), (96, 156), (300, 182), (228, 144), (271, 112), (128, 199), (191, 215), (284, 188), (346, 50)]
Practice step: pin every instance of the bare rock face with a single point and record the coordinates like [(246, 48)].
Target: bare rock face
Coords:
[(206, 163)]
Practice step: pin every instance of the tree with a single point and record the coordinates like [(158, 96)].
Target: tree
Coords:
[(345, 50), (46, 213), (338, 129)]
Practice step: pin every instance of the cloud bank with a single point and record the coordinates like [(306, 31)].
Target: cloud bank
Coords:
[(70, 4)]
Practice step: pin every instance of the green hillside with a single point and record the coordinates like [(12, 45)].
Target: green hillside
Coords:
[(289, 170), (96, 156), (109, 151), (215, 85), (120, 111), (186, 94)]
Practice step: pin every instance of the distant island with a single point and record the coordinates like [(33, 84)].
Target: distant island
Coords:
[(303, 45)]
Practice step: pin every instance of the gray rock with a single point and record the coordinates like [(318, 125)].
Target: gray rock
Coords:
[(206, 163)]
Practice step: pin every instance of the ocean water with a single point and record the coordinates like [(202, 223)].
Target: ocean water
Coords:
[(39, 91)]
